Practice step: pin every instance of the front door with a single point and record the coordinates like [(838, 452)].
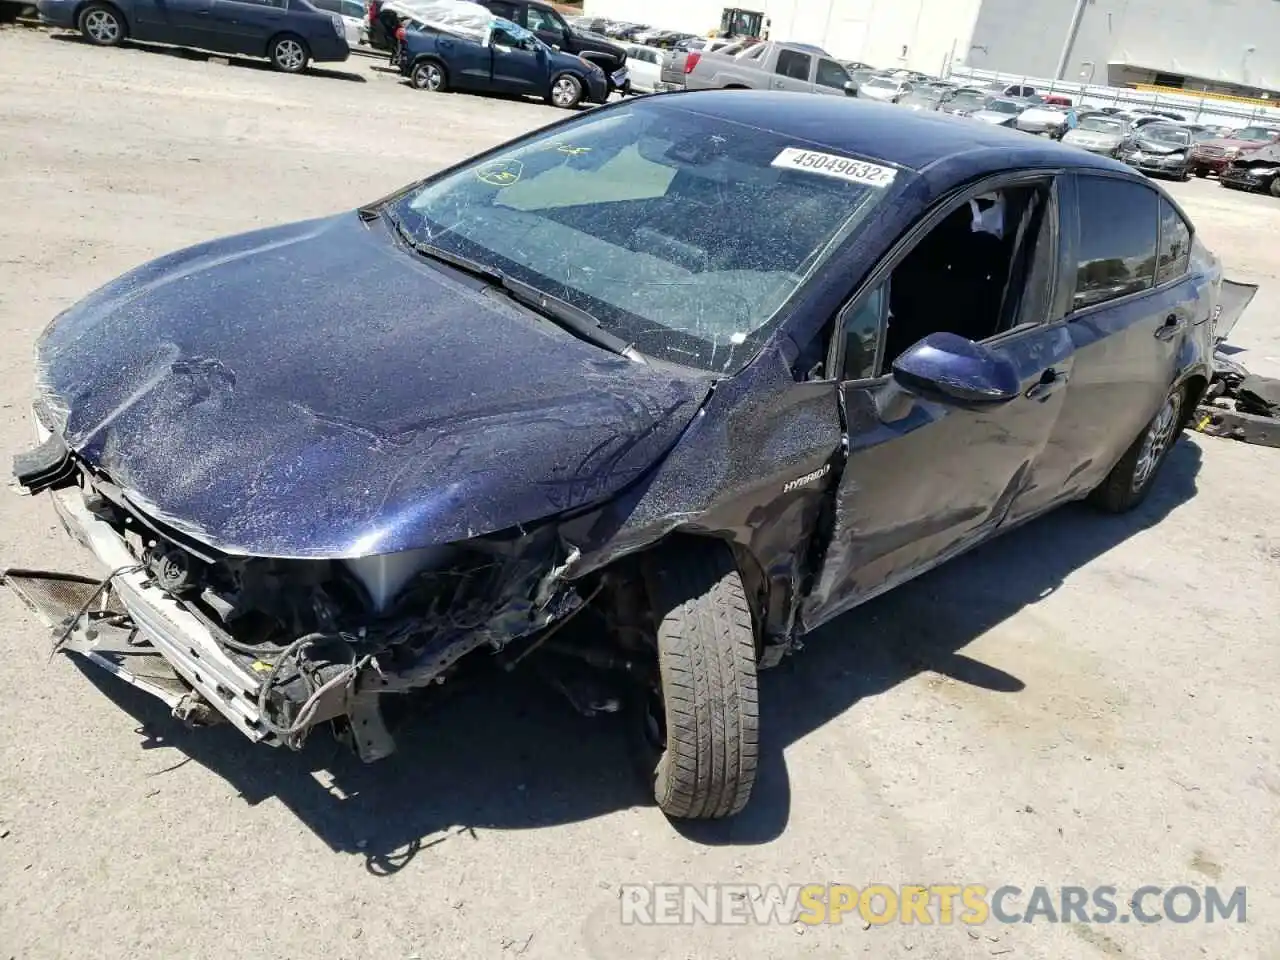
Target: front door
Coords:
[(244, 26), (518, 66), (1130, 304), (548, 27), (830, 77), (927, 476)]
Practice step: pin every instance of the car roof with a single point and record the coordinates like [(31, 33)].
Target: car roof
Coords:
[(884, 132)]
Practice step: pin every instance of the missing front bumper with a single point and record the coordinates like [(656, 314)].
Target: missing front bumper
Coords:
[(136, 631)]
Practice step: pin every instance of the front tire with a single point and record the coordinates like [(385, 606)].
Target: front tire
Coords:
[(1130, 480), (566, 91), (430, 76), (1201, 172), (706, 712), (1273, 187), (289, 53), (102, 25)]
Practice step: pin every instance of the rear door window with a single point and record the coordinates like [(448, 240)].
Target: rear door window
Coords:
[(1175, 244), (793, 64), (1119, 233)]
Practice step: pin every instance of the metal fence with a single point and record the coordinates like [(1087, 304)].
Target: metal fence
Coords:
[(1209, 108)]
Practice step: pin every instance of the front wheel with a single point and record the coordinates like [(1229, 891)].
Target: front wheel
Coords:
[(1201, 172), (702, 719), (1130, 480), (566, 91), (102, 25), (289, 54), (1273, 187)]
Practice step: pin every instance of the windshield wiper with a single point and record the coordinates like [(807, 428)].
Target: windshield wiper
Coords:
[(564, 314)]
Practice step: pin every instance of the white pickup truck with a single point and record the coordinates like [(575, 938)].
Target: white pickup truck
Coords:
[(768, 65)]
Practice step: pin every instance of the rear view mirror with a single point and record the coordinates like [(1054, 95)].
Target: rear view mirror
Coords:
[(960, 369)]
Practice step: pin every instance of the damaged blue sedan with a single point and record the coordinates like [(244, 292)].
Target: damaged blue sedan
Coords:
[(655, 390)]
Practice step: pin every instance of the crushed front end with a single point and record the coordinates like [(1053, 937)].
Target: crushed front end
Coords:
[(279, 646)]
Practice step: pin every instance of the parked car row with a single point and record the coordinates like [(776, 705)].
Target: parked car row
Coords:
[(290, 33), (507, 46), (637, 33)]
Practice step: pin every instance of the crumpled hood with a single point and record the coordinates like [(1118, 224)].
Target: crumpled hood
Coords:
[(313, 390), (1159, 146)]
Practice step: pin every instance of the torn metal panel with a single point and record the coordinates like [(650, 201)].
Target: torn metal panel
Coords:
[(239, 396), (753, 468), (1233, 299)]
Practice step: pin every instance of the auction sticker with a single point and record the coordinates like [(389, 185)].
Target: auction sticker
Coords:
[(830, 165)]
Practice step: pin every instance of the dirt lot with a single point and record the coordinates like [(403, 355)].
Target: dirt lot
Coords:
[(1087, 701)]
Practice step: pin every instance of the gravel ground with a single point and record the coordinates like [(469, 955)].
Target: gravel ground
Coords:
[(1084, 702)]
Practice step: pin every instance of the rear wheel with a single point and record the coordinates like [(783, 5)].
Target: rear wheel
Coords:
[(1130, 480), (289, 53), (1201, 172), (428, 75), (566, 91), (102, 24), (702, 718)]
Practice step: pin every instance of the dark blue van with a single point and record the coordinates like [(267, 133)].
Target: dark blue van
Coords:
[(506, 59), (289, 33)]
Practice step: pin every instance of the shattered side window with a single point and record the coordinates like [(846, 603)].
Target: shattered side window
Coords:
[(683, 234)]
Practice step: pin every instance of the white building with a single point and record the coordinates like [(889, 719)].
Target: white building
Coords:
[(1228, 45)]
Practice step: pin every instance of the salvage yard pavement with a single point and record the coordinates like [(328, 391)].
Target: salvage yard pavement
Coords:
[(1086, 701)]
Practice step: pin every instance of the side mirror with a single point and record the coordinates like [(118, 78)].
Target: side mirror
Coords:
[(850, 88), (950, 365), (556, 47)]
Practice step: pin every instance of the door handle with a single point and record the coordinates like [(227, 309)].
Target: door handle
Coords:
[(1051, 381), (1171, 327)]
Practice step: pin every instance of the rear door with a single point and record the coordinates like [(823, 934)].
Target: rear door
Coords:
[(1129, 303), (792, 70)]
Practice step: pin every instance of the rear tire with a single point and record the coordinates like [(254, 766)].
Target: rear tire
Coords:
[(1201, 172), (707, 708), (430, 76), (289, 53), (102, 25), (1130, 480)]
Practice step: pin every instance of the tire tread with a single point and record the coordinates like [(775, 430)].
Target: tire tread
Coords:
[(706, 658)]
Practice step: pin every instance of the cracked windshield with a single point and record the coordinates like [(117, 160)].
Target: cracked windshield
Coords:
[(681, 234)]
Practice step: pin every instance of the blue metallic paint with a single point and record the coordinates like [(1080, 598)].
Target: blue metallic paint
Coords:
[(354, 424), (244, 397)]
